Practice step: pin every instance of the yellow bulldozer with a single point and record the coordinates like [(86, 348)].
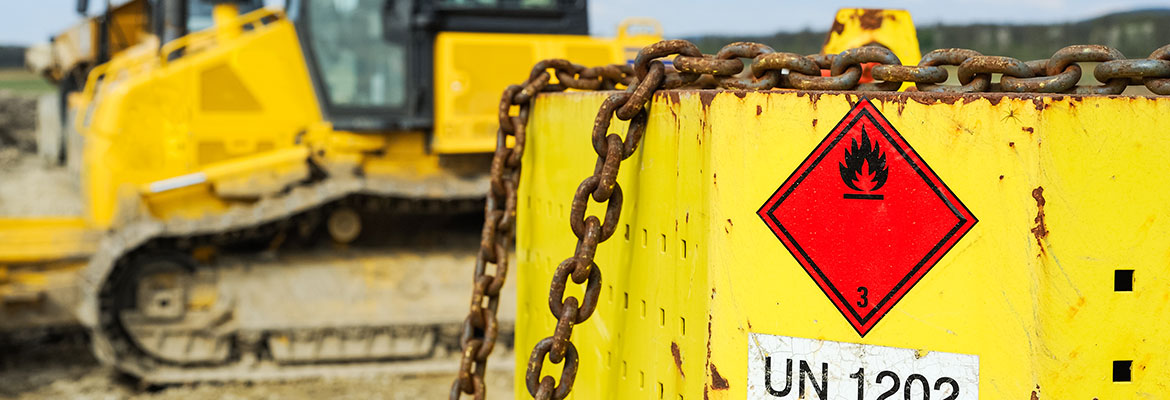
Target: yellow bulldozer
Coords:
[(201, 153), (67, 58)]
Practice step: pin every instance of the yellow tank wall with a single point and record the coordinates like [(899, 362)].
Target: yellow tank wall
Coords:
[(212, 105), (692, 265)]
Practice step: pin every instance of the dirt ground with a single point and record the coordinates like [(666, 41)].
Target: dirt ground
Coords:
[(29, 187), (59, 365)]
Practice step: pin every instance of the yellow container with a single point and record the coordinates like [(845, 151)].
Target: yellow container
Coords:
[(1058, 289)]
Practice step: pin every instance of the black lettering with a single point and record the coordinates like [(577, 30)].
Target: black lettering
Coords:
[(893, 388), (822, 390), (910, 382), (860, 376), (768, 378), (954, 387), (864, 292)]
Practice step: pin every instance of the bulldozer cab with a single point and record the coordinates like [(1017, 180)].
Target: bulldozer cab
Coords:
[(122, 23), (372, 61), (172, 19)]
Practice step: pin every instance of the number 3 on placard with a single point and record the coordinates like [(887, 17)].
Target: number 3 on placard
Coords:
[(864, 292)]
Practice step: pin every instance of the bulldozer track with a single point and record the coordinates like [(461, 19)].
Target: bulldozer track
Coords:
[(279, 351)]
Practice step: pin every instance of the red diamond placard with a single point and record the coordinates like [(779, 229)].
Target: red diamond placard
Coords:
[(865, 216)]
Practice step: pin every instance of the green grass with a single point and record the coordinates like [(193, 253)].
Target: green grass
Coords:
[(20, 80)]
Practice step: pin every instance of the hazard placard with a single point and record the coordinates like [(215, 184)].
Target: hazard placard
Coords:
[(865, 216)]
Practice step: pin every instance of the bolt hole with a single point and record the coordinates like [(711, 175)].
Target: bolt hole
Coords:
[(1122, 370), (1123, 280)]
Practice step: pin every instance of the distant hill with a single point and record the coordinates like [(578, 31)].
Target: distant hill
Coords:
[(1135, 33), (11, 57)]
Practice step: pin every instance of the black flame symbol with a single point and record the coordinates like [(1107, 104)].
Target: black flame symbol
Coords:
[(866, 153)]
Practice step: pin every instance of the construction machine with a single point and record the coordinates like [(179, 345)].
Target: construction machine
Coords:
[(119, 25), (202, 156)]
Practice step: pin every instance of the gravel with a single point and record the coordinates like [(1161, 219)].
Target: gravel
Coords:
[(58, 365), (18, 121)]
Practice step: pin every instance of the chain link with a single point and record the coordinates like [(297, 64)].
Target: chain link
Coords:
[(768, 69), (481, 326), (1061, 73)]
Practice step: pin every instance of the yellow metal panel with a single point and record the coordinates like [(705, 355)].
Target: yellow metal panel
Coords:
[(857, 27), (471, 69), (1030, 289), (155, 119), (26, 240)]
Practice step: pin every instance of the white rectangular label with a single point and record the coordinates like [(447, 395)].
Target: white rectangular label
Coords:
[(782, 367)]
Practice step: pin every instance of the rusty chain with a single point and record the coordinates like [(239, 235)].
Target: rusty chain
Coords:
[(1061, 73), (480, 327), (768, 69)]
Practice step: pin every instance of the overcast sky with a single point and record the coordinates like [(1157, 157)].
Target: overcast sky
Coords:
[(26, 22)]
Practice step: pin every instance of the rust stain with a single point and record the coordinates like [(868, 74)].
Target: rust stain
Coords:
[(674, 96), (709, 365), (838, 27), (926, 98), (1039, 102), (1035, 395), (1012, 144), (992, 100), (871, 19), (1041, 229), (727, 229), (705, 97), (1028, 129), (740, 93), (814, 122), (674, 351), (718, 382), (1074, 309), (759, 110), (813, 97), (1001, 177)]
